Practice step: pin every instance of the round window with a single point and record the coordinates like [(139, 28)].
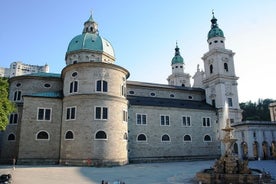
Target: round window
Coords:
[(152, 94), (47, 85), (74, 74)]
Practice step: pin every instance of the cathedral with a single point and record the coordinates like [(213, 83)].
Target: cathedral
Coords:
[(91, 114)]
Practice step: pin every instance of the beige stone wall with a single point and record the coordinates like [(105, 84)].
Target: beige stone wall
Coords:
[(30, 84), (85, 126), (154, 147), (29, 146), (89, 73), (9, 149)]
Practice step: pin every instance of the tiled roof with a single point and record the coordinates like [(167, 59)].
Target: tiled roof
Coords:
[(167, 102)]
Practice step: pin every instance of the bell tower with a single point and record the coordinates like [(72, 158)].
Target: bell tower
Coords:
[(220, 82), (178, 77)]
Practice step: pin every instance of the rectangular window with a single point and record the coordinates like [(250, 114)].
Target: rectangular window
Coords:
[(44, 114), (70, 113), (165, 120), (17, 96), (206, 122), (141, 119), (125, 116), (101, 113), (101, 86), (74, 87), (230, 103), (13, 118), (123, 90), (104, 86), (186, 121), (47, 114), (105, 113)]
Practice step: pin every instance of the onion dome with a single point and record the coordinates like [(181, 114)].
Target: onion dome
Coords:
[(215, 30), (177, 57), (90, 40)]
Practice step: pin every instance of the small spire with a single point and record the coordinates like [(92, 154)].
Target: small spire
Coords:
[(214, 20), (177, 53)]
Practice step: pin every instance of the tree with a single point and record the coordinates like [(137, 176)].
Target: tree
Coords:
[(6, 106), (256, 111)]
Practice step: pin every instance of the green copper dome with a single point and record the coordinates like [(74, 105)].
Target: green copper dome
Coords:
[(90, 40), (215, 30), (177, 57)]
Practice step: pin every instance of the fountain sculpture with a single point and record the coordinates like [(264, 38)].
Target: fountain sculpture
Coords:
[(229, 168)]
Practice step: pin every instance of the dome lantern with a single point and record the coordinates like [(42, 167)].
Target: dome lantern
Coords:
[(89, 46)]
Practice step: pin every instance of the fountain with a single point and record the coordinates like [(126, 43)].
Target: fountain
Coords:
[(229, 168)]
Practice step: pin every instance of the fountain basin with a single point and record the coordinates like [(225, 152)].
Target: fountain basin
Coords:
[(208, 176)]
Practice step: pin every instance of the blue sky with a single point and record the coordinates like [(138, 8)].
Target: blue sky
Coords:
[(143, 34)]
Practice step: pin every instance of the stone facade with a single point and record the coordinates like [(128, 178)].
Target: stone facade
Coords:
[(90, 114)]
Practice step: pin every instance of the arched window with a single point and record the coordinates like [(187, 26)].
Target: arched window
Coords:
[(69, 135), (42, 135), (165, 138), (226, 67), (11, 137), (141, 137), (100, 135), (187, 138), (207, 138), (211, 68)]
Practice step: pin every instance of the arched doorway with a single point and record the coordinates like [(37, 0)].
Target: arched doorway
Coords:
[(265, 150), (244, 150), (255, 150)]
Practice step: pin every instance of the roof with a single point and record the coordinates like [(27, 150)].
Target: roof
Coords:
[(168, 102), (44, 74), (90, 42), (49, 94), (256, 123), (177, 57), (165, 86)]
